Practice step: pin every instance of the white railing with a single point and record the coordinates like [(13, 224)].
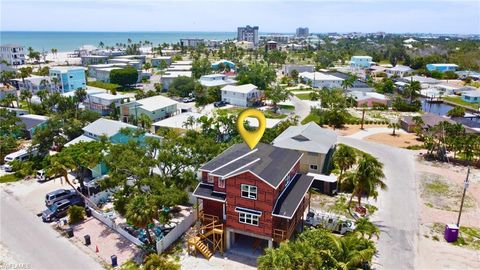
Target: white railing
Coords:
[(180, 229), (111, 223)]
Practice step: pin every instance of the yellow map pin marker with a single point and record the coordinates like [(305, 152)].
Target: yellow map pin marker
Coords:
[(251, 137)]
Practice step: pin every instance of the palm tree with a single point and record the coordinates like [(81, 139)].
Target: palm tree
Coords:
[(190, 122), (55, 82), (157, 262), (144, 121), (344, 158), (101, 44), (25, 72), (366, 227), (42, 95), (412, 90), (395, 126), (26, 95), (141, 212), (368, 177)]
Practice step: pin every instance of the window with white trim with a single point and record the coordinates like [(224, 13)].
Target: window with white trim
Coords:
[(247, 218), (313, 167), (221, 183), (249, 191), (210, 179)]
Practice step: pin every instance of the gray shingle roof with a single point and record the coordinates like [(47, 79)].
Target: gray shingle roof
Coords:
[(309, 137), (268, 162), (292, 196), (206, 191)]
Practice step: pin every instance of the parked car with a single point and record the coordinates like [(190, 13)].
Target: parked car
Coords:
[(188, 99), (41, 176), (60, 208), (220, 104), (58, 195)]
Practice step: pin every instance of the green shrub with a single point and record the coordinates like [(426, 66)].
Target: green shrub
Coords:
[(8, 178), (107, 86), (75, 214)]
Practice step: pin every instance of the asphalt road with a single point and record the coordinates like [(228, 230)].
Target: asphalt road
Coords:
[(34, 243), (302, 109), (397, 216)]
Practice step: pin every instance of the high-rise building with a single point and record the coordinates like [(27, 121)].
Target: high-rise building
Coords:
[(248, 33), (302, 32)]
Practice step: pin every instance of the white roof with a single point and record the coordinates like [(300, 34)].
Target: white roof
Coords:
[(309, 137), (269, 122), (81, 138), (221, 61), (64, 69), (318, 76), (325, 178), (473, 93), (108, 69), (410, 40), (107, 96), (34, 116), (400, 68), (185, 62), (106, 127), (175, 74), (154, 103), (360, 95), (444, 65), (179, 67), (177, 121), (245, 88), (161, 58)]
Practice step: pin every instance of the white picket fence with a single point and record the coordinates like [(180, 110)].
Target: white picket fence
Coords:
[(177, 232), (115, 227)]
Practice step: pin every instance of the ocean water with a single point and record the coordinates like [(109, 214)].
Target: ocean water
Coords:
[(69, 41)]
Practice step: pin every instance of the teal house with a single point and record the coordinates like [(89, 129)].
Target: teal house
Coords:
[(225, 63), (112, 130), (69, 78), (471, 96), (442, 67)]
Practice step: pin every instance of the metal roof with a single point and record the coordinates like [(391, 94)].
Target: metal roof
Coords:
[(106, 127), (309, 137)]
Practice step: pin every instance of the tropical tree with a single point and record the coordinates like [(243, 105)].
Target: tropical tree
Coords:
[(348, 82), (159, 262), (276, 95), (412, 90), (55, 82), (141, 212), (394, 126), (368, 177), (25, 72), (363, 226), (26, 95), (344, 158), (144, 121)]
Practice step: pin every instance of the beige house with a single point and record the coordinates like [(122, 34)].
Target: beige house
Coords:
[(317, 145)]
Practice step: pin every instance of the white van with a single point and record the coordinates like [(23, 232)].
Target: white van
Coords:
[(42, 176), (20, 155)]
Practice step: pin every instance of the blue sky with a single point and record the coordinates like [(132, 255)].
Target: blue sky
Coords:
[(431, 16)]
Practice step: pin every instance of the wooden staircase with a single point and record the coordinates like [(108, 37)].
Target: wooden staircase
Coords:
[(199, 236)]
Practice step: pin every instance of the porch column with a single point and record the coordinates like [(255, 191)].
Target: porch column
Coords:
[(270, 243), (228, 239)]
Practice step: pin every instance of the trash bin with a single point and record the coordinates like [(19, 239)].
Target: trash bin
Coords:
[(87, 240), (451, 232), (114, 260), (69, 232), (88, 211)]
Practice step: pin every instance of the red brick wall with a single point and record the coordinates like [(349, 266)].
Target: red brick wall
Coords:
[(204, 176), (213, 208), (264, 203)]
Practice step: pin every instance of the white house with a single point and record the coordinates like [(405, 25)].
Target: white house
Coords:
[(216, 80), (102, 102), (13, 54), (399, 71), (320, 80), (156, 61), (156, 108), (33, 83), (103, 74), (241, 95)]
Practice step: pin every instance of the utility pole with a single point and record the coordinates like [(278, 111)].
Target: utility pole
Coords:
[(363, 118), (465, 186)]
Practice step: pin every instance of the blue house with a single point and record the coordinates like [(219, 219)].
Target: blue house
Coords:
[(69, 78), (360, 62), (471, 96), (442, 67), (230, 64), (112, 130)]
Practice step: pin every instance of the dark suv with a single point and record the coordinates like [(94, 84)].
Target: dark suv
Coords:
[(59, 209)]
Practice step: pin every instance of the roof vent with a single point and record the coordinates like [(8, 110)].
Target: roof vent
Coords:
[(301, 138)]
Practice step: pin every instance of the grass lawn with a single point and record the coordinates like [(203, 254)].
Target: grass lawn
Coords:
[(107, 86), (311, 117), (8, 178), (237, 110), (459, 101), (272, 115), (286, 107), (305, 96), (468, 236)]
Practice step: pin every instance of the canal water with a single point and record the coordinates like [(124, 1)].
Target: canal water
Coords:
[(442, 109)]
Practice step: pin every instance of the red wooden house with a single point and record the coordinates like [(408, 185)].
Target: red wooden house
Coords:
[(258, 193)]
